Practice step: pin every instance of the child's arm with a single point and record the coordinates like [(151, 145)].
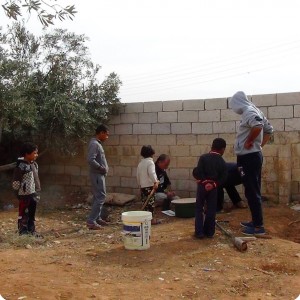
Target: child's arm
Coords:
[(152, 175), (17, 179)]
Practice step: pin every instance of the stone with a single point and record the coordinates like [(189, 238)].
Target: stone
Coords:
[(119, 199)]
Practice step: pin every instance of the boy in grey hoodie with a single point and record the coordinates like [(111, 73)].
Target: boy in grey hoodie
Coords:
[(253, 133), (98, 170)]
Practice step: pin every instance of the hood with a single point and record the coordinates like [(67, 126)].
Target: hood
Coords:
[(239, 102)]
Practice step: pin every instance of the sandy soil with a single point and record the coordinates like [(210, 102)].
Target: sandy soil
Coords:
[(74, 263)]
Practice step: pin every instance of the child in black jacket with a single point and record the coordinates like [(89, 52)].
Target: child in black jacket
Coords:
[(26, 183), (210, 173)]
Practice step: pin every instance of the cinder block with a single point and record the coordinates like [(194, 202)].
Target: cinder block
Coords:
[(129, 182), (193, 105), (56, 169), (265, 111), (168, 140), (162, 128), (283, 138), (297, 111), (187, 162), (84, 171), (147, 140), (219, 103), (167, 117), (129, 161), (113, 140), (78, 180), (270, 150), (181, 128), (181, 185), (284, 151), (198, 150), (179, 173), (292, 124), (129, 118), (264, 100), (229, 115), (113, 150), (164, 150), (229, 138), (288, 98), (141, 128), (115, 119), (154, 106), (112, 181), (202, 128), (72, 170), (127, 151), (206, 139), (148, 117), (280, 112), (278, 124), (209, 116), (128, 139), (295, 187), (180, 150), (172, 105), (224, 127), (134, 107), (188, 116), (184, 140), (296, 151), (113, 160), (123, 129)]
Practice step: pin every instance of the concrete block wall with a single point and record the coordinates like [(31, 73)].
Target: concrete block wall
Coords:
[(185, 130)]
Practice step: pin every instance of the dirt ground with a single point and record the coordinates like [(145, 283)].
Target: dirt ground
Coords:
[(74, 263)]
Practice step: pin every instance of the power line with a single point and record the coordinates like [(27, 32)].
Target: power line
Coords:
[(182, 79), (146, 75)]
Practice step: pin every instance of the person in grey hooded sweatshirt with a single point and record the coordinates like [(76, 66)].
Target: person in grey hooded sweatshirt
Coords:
[(253, 133), (98, 170)]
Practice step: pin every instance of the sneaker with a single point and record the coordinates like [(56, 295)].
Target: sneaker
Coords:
[(102, 222), (246, 224), (241, 204), (93, 226), (254, 231), (199, 236)]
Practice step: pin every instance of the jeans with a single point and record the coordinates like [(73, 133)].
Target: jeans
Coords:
[(205, 221), (99, 195), (252, 165)]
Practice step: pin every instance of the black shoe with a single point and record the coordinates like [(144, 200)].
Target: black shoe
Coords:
[(199, 236)]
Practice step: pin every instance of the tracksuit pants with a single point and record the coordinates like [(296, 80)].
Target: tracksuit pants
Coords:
[(205, 220), (252, 165)]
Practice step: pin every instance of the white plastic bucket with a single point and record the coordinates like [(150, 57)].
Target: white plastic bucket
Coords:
[(136, 229)]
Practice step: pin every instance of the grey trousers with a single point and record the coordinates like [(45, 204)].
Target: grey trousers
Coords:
[(99, 194)]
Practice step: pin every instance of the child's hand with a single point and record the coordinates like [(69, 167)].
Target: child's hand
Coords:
[(155, 186), (208, 187)]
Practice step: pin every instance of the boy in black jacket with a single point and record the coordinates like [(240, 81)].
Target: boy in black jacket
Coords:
[(210, 173)]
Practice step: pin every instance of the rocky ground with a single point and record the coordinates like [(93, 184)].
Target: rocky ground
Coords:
[(72, 262)]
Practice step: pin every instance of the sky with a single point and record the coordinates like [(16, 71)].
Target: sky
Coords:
[(192, 49)]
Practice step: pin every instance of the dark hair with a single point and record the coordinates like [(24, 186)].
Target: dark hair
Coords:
[(162, 157), (147, 151), (28, 148), (218, 144), (101, 128)]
